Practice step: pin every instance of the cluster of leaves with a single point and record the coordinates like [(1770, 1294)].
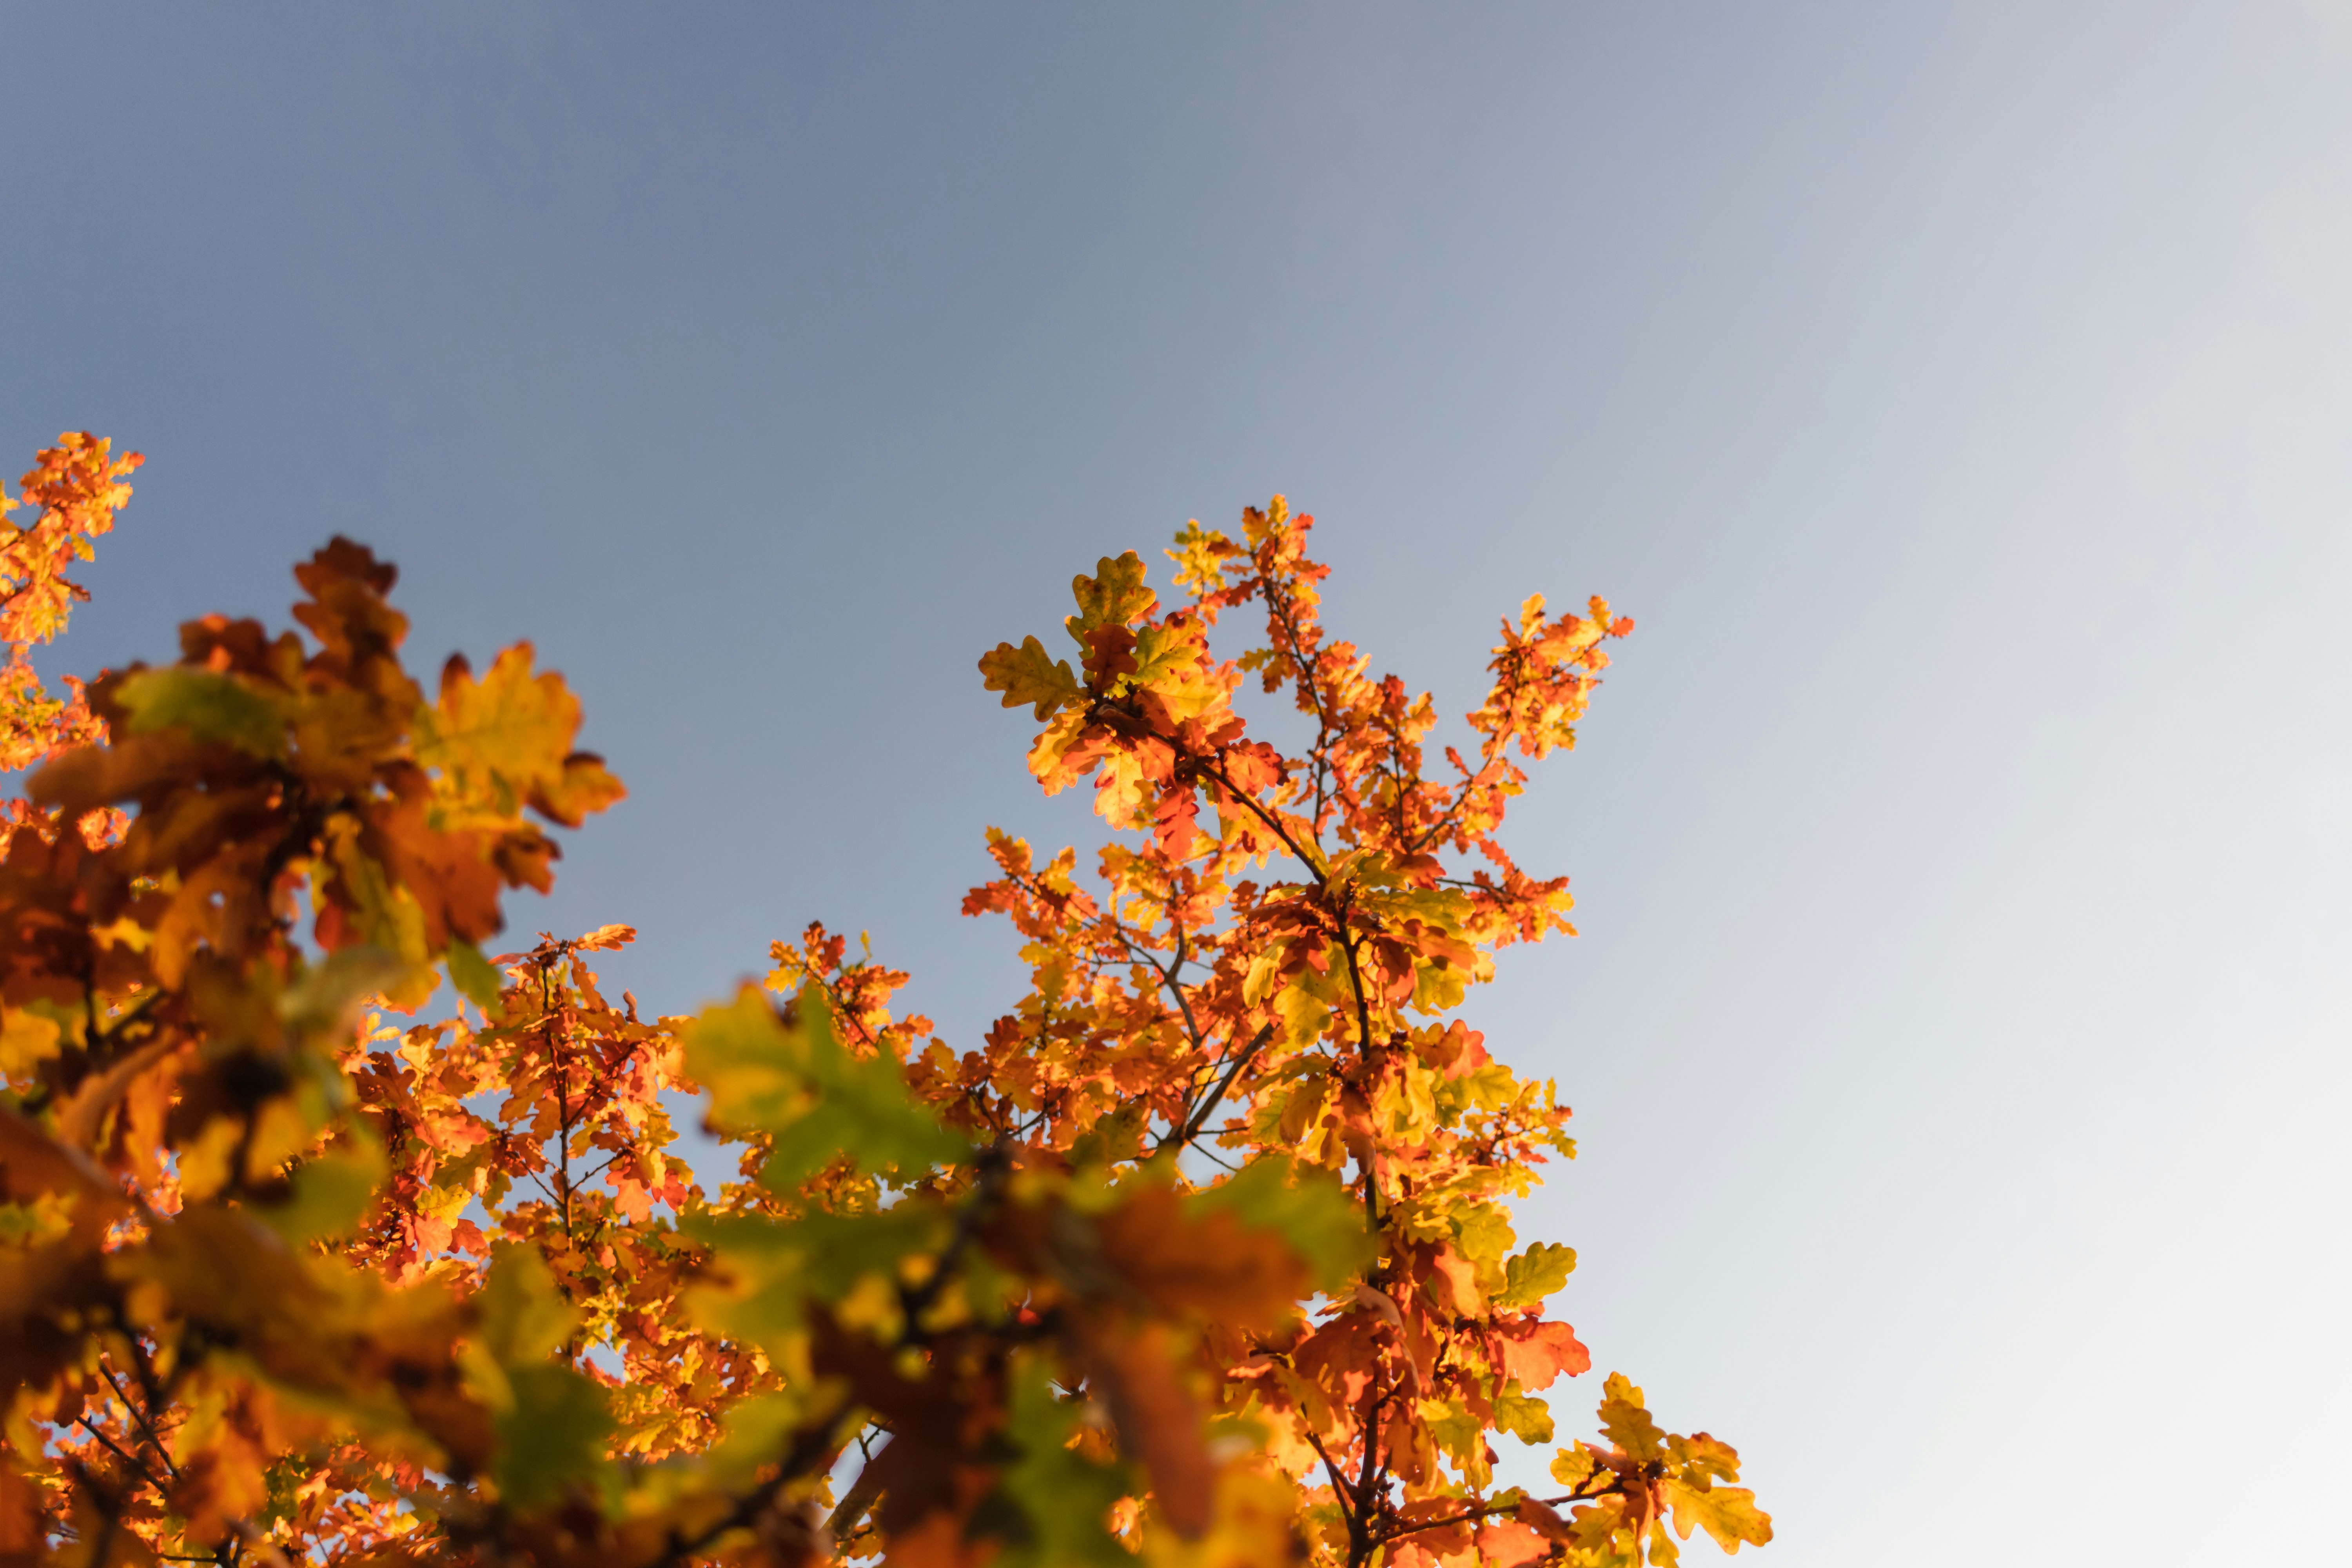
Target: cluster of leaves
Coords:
[(75, 488), (1203, 1255)]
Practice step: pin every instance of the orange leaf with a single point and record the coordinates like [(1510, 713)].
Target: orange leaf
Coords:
[(1537, 1353)]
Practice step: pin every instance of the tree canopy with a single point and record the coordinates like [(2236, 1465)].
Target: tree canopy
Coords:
[(1203, 1255)]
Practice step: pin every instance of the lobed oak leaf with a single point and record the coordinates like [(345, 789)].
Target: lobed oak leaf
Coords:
[(504, 742), (1029, 675), (1114, 596), (1451, 1282), (553, 1439), (1174, 823), (1252, 1526), (1483, 1234), (1535, 1353), (1164, 656), (27, 1038), (1532, 1276), (1460, 1434), (1528, 1420), (1626, 1421), (522, 1315), (1509, 1543), (329, 1195), (583, 786), (793, 1081), (1121, 783), (1178, 1257), (471, 973), (1728, 1514)]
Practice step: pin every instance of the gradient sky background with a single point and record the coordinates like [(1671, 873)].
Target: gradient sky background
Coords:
[(1961, 396)]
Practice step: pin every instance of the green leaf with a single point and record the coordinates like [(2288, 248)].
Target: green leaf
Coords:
[(777, 1265), (524, 1317), (1308, 1208), (1452, 1428), (553, 1438), (330, 1193), (1052, 1502), (814, 1099), (1525, 1418), (755, 1433), (325, 995), (1535, 1274), (209, 705), (471, 973)]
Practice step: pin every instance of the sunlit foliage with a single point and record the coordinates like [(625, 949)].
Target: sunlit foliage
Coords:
[(1203, 1255)]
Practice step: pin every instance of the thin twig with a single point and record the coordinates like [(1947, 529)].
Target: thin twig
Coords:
[(113, 1448), (1177, 1137)]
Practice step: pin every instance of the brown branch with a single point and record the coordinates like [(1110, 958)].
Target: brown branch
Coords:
[(861, 1496), (1487, 1510), (139, 1416), (1300, 660), (1177, 1137), (1339, 1482), (113, 1448), (1217, 771)]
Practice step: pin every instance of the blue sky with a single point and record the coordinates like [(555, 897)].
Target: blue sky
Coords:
[(1959, 396)]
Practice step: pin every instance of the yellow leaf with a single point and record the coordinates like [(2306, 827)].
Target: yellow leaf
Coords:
[(1028, 674), (1251, 1528), (1162, 654), (1729, 1514), (26, 1040), (1114, 596), (1528, 1419), (504, 742)]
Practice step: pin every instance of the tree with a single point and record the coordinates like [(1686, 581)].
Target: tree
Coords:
[(1203, 1253)]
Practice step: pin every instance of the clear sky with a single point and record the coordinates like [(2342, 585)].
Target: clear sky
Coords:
[(1959, 396)]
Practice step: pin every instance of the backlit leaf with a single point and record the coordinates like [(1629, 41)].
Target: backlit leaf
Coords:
[(814, 1099), (1029, 675), (206, 704)]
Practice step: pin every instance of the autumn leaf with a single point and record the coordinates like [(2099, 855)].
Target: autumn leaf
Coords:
[(471, 973), (1138, 1368), (1533, 1275), (1114, 596), (1202, 1253), (1625, 1421), (795, 1083), (1728, 1514), (207, 705), (1028, 675), (1535, 1353), (504, 742), (1308, 1209)]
